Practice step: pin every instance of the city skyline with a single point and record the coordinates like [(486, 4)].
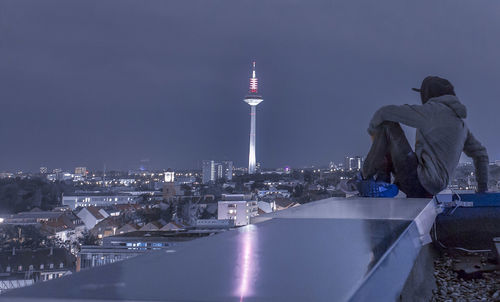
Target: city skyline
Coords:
[(93, 93)]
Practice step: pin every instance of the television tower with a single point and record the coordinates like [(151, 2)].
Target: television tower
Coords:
[(253, 99)]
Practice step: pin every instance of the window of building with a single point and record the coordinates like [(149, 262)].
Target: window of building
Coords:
[(20, 268), (8, 269), (51, 265), (61, 265), (41, 266), (156, 244), (31, 267)]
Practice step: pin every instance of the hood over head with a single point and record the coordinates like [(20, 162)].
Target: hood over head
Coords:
[(453, 103), (433, 87)]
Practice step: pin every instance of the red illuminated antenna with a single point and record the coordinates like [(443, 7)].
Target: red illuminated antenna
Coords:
[(254, 82)]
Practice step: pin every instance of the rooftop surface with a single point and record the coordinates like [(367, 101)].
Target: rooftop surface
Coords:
[(335, 249)]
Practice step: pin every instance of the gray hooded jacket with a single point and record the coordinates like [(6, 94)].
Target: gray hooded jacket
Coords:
[(441, 137)]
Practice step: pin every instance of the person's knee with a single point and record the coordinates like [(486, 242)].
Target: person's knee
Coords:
[(386, 128), (392, 128)]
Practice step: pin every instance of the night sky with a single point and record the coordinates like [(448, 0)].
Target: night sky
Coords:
[(116, 82)]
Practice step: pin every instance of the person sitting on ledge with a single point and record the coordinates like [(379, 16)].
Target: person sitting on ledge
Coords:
[(441, 136)]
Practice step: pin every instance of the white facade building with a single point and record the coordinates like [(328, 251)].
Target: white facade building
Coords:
[(240, 211), (169, 176), (96, 201)]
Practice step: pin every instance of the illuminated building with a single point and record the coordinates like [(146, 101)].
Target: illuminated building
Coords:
[(208, 171), (81, 171), (169, 185), (169, 176), (353, 163), (237, 207), (212, 170)]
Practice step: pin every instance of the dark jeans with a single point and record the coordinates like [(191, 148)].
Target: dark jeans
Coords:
[(391, 153)]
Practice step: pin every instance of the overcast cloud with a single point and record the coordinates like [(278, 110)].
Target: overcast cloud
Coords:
[(94, 82)]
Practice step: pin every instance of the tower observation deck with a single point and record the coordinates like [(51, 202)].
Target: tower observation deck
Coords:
[(253, 99)]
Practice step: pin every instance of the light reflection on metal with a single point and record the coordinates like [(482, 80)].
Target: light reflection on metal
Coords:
[(247, 262)]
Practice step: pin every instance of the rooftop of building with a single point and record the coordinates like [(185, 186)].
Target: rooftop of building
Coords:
[(162, 234), (235, 197), (26, 257), (337, 248), (38, 215), (94, 211)]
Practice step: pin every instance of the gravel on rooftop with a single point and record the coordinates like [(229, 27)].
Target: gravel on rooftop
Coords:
[(451, 288)]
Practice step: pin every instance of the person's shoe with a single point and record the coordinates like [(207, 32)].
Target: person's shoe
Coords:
[(368, 187), (372, 188)]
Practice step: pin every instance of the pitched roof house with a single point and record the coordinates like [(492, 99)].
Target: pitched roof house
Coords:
[(92, 216)]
